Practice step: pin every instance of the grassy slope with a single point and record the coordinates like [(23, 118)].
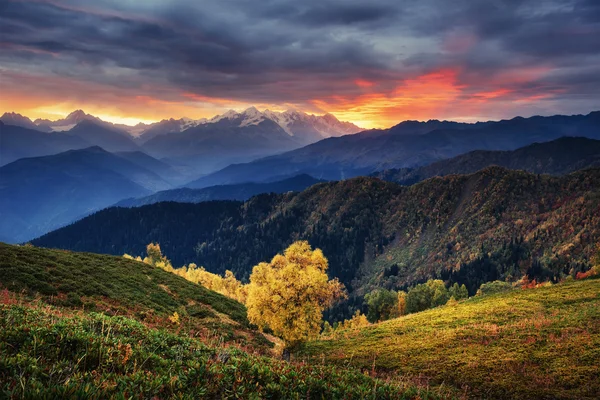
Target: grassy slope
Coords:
[(115, 285), (536, 343), (54, 343), (45, 353)]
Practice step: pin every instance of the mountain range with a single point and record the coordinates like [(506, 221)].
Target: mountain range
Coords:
[(36, 197), (406, 145), (557, 157), (196, 146), (468, 229), (305, 128), (241, 191), (40, 194), (18, 142)]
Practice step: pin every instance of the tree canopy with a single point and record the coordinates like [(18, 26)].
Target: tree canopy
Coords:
[(289, 294)]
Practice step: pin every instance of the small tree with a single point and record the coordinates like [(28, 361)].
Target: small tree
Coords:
[(382, 304), (433, 293), (439, 295), (156, 258), (458, 292), (401, 305), (357, 321), (290, 293), (418, 298)]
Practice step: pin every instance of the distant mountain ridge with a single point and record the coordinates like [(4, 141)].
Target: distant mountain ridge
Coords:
[(557, 157), (70, 121), (406, 145), (242, 192), (305, 128), (19, 142), (198, 146), (308, 128), (40, 194), (16, 119), (236, 137)]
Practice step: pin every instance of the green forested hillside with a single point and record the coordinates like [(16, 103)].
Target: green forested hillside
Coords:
[(494, 224), (541, 343)]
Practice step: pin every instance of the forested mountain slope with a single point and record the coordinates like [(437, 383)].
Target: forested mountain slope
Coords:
[(241, 191), (493, 224), (556, 157), (39, 194)]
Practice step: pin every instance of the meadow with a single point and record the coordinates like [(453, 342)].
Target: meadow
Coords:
[(49, 352), (534, 343), (82, 325)]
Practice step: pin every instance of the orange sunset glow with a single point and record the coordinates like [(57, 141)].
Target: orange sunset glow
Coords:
[(437, 94), (167, 67)]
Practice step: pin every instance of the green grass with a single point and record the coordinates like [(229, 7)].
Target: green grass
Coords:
[(49, 352), (117, 286), (535, 343)]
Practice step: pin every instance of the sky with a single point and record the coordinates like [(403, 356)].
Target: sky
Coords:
[(374, 63)]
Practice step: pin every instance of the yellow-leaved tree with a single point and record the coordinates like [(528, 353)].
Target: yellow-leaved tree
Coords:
[(227, 285), (290, 293)]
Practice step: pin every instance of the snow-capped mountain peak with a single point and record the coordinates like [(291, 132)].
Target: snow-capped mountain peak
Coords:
[(298, 123), (305, 128), (231, 114), (13, 118), (251, 116)]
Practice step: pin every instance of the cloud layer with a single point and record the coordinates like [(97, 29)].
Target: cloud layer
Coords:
[(374, 63)]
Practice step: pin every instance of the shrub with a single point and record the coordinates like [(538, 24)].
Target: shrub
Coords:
[(382, 304), (433, 293), (458, 292), (591, 272), (493, 287)]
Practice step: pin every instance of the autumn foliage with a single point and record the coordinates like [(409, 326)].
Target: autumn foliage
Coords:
[(289, 294), (595, 270), (228, 285)]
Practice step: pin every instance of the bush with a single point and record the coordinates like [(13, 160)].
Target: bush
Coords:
[(382, 304), (433, 293), (493, 287), (458, 292)]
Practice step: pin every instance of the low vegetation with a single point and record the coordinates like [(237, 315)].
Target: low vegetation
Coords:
[(286, 296), (117, 286), (77, 325), (541, 342), (46, 352)]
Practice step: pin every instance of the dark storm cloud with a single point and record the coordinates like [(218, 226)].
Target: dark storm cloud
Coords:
[(290, 51), (346, 14)]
